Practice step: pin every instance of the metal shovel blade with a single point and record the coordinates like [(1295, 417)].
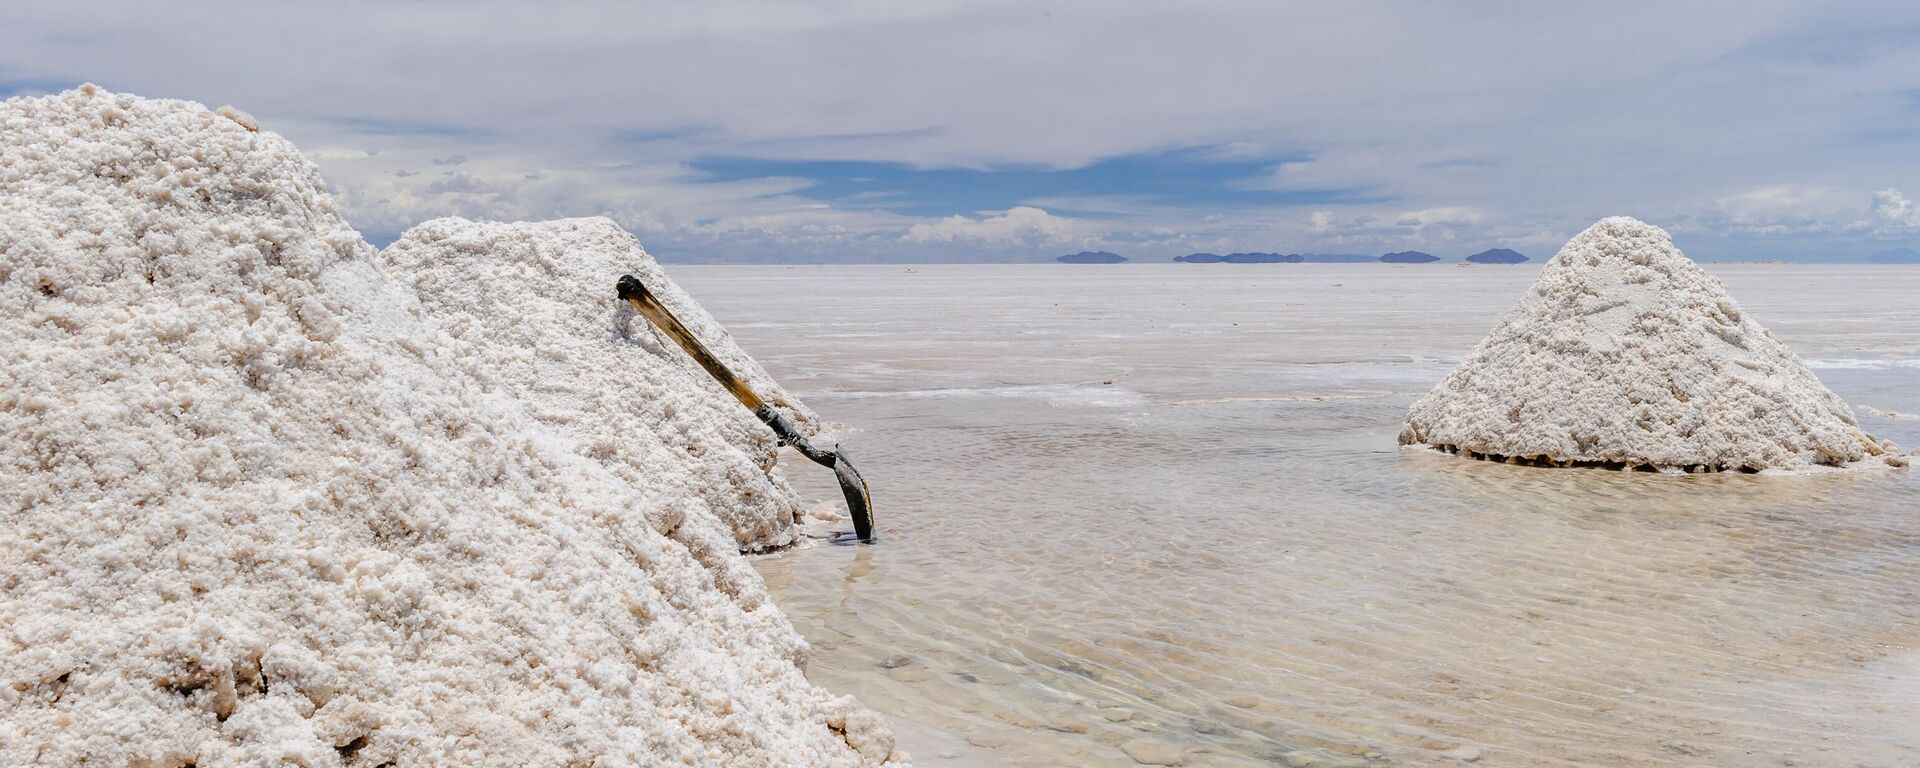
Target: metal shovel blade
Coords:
[(859, 502)]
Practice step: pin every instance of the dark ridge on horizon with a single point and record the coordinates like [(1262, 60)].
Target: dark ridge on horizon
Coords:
[(1497, 256), (1285, 258), (1091, 257), (1241, 258), (668, 254)]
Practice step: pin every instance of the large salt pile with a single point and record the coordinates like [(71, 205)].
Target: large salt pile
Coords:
[(1626, 354), (255, 510), (536, 303)]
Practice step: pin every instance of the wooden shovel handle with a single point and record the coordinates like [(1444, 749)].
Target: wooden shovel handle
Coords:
[(649, 306)]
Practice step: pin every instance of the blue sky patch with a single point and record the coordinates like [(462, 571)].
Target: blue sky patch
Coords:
[(1192, 177), (10, 87)]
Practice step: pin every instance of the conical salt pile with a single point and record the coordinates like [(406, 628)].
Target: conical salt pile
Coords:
[(257, 508), (1626, 354), (537, 305)]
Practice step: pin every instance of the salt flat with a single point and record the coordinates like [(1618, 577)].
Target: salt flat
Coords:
[(1222, 553)]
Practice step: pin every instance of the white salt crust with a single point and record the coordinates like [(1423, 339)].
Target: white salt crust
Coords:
[(1626, 354), (257, 509), (536, 303)]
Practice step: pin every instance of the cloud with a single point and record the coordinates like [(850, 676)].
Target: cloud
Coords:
[(1739, 123), (1777, 199), (1893, 211), (325, 154), (1807, 213), (1018, 226), (1783, 210), (1425, 226), (460, 182), (1445, 216)]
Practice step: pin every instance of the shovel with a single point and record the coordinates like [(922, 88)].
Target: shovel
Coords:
[(855, 488)]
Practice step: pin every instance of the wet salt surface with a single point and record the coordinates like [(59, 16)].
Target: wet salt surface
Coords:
[(1222, 558)]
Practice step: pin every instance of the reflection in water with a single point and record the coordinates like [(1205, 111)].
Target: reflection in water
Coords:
[(1222, 558)]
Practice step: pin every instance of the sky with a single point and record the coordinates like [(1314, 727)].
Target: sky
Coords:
[(882, 131)]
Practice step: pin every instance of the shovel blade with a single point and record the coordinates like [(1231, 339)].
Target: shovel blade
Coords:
[(854, 487)]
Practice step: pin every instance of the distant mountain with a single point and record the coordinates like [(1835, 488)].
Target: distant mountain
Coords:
[(1896, 256), (1274, 258), (1091, 257), (1263, 258), (1497, 256), (1241, 258), (1409, 257)]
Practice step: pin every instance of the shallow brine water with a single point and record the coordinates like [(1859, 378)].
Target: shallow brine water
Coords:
[(1156, 513)]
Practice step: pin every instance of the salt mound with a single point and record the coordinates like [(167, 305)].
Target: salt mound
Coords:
[(536, 302), (1625, 353), (256, 511)]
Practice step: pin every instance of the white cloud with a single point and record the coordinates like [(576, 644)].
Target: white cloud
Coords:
[(1782, 210), (460, 182), (1653, 108), (1445, 216), (1426, 226), (1776, 199), (1017, 226), (331, 154), (1807, 212), (1892, 210)]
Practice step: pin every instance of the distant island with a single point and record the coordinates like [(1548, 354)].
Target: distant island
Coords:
[(1245, 258), (1281, 258), (1262, 258), (1497, 256), (1494, 256), (1091, 257), (1896, 256), (1241, 258)]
